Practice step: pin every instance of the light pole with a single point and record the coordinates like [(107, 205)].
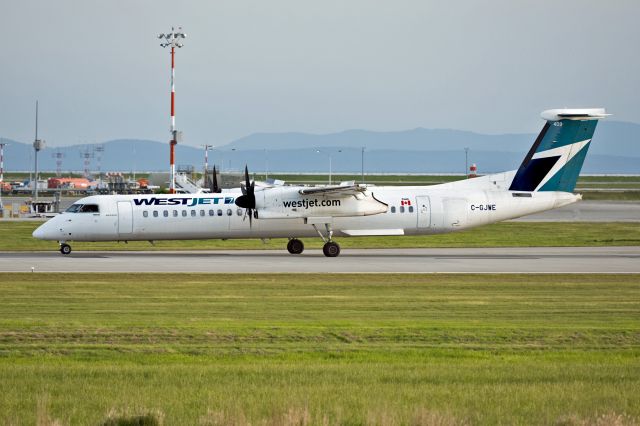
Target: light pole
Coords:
[(86, 154), (58, 155), (362, 160), (37, 146), (133, 171), (98, 152), (231, 155), (207, 148), (266, 165), (173, 40), (2, 145), (466, 162), (328, 154)]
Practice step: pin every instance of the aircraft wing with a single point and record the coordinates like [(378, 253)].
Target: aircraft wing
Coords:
[(334, 191)]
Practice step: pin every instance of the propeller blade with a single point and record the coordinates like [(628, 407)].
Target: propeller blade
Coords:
[(246, 177), (248, 198), (216, 188)]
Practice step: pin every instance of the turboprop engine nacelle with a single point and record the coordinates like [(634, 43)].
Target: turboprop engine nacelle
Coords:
[(286, 203)]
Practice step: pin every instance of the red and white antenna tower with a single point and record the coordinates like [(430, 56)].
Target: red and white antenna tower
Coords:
[(173, 40), (58, 155)]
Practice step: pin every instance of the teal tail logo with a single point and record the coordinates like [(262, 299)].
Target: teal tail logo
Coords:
[(556, 157)]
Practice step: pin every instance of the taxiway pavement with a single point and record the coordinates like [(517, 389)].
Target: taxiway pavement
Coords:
[(456, 260), (589, 211)]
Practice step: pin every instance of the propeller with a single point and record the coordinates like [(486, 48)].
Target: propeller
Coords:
[(216, 188), (248, 198)]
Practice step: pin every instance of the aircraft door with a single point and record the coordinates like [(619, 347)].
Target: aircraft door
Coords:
[(125, 217), (424, 211)]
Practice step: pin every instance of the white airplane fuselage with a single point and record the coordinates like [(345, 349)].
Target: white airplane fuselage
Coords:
[(545, 180), (411, 210)]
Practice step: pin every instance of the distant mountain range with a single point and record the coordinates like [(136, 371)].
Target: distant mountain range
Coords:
[(616, 149)]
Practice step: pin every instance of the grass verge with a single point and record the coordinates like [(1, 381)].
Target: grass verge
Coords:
[(319, 349)]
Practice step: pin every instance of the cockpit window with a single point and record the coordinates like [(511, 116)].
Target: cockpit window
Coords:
[(83, 208), (90, 208)]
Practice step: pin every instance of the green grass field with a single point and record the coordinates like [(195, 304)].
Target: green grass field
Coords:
[(320, 349), (16, 236)]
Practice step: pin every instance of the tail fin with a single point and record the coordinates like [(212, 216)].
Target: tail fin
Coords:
[(555, 159)]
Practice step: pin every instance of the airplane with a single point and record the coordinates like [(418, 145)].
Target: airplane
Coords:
[(545, 180)]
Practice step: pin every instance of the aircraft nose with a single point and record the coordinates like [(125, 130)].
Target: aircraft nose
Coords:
[(40, 232), (45, 232)]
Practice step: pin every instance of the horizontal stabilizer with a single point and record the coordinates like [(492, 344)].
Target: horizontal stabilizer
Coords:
[(574, 114)]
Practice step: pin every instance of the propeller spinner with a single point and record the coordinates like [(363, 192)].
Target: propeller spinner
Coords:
[(248, 198)]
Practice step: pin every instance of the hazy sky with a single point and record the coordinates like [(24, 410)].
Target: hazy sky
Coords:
[(311, 66)]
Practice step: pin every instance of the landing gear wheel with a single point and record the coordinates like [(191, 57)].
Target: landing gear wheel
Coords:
[(65, 248), (331, 249), (295, 246)]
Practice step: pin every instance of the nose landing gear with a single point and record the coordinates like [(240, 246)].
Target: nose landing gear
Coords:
[(65, 248)]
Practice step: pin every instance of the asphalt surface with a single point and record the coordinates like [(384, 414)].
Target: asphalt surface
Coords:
[(590, 211), (480, 260)]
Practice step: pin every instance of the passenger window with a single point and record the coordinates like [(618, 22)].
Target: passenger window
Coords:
[(193, 213), (229, 212), (401, 209), (393, 209), (89, 208), (410, 209), (212, 213), (202, 213), (239, 212), (184, 213), (145, 214), (155, 213), (175, 213), (219, 212)]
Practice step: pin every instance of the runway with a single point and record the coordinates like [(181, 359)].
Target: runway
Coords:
[(589, 211), (456, 260)]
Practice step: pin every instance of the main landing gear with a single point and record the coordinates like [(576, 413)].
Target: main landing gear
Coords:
[(330, 248), (295, 246), (65, 248)]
